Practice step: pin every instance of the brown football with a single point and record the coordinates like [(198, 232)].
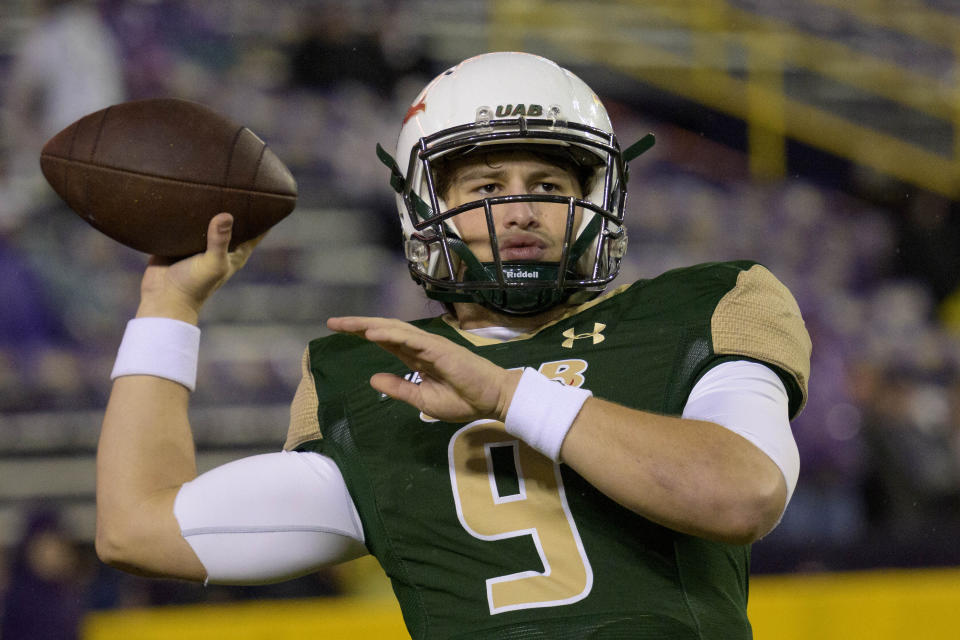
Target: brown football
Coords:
[(151, 173)]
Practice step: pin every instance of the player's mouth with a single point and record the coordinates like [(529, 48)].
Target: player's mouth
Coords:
[(522, 246)]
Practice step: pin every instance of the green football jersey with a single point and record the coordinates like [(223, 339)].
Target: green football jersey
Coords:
[(482, 536)]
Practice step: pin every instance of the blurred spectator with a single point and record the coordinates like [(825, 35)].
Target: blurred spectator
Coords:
[(331, 53), (44, 598), (26, 317), (351, 64), (65, 67), (140, 29), (914, 480), (29, 328), (930, 235)]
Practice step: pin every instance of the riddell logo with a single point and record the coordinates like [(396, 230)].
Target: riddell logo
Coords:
[(514, 272)]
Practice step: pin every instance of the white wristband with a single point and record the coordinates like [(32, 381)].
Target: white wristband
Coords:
[(161, 347), (542, 411)]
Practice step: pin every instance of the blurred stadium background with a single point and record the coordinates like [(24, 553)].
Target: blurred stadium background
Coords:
[(820, 137)]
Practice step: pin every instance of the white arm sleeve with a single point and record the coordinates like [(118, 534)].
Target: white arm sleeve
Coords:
[(749, 399), (270, 517)]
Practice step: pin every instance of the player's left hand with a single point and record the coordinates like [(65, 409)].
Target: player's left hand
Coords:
[(457, 385)]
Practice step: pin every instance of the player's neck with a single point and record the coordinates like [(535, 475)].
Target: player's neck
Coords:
[(475, 316)]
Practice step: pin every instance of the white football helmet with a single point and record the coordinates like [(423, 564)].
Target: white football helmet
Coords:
[(510, 100)]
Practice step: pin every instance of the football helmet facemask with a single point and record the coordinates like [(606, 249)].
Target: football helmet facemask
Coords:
[(506, 101)]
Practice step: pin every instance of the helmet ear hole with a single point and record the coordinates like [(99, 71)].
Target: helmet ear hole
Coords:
[(416, 250)]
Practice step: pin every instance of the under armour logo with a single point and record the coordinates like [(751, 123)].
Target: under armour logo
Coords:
[(570, 335)]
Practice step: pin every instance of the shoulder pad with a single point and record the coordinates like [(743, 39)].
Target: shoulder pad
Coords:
[(758, 318), (304, 423)]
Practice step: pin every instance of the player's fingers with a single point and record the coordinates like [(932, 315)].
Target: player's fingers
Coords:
[(388, 333), (417, 349), (219, 231), (401, 339), (399, 389), (239, 256), (383, 330), (394, 386), (344, 324), (243, 250), (253, 242), (359, 324)]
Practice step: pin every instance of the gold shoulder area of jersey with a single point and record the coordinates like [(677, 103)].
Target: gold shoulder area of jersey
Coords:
[(759, 318)]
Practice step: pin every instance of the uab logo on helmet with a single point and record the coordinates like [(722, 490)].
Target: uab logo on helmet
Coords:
[(510, 110)]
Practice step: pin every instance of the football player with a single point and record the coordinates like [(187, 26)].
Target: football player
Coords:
[(548, 459)]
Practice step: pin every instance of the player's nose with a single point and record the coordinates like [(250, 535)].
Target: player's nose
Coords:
[(523, 215)]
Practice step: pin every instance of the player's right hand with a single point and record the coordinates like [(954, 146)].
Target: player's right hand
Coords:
[(179, 289), (456, 384)]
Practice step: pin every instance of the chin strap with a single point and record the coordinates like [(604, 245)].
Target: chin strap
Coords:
[(511, 301), (638, 148), (397, 180), (398, 183)]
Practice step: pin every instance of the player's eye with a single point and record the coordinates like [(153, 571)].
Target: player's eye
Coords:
[(487, 189), (546, 187)]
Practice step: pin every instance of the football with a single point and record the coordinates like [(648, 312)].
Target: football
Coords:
[(152, 173)]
